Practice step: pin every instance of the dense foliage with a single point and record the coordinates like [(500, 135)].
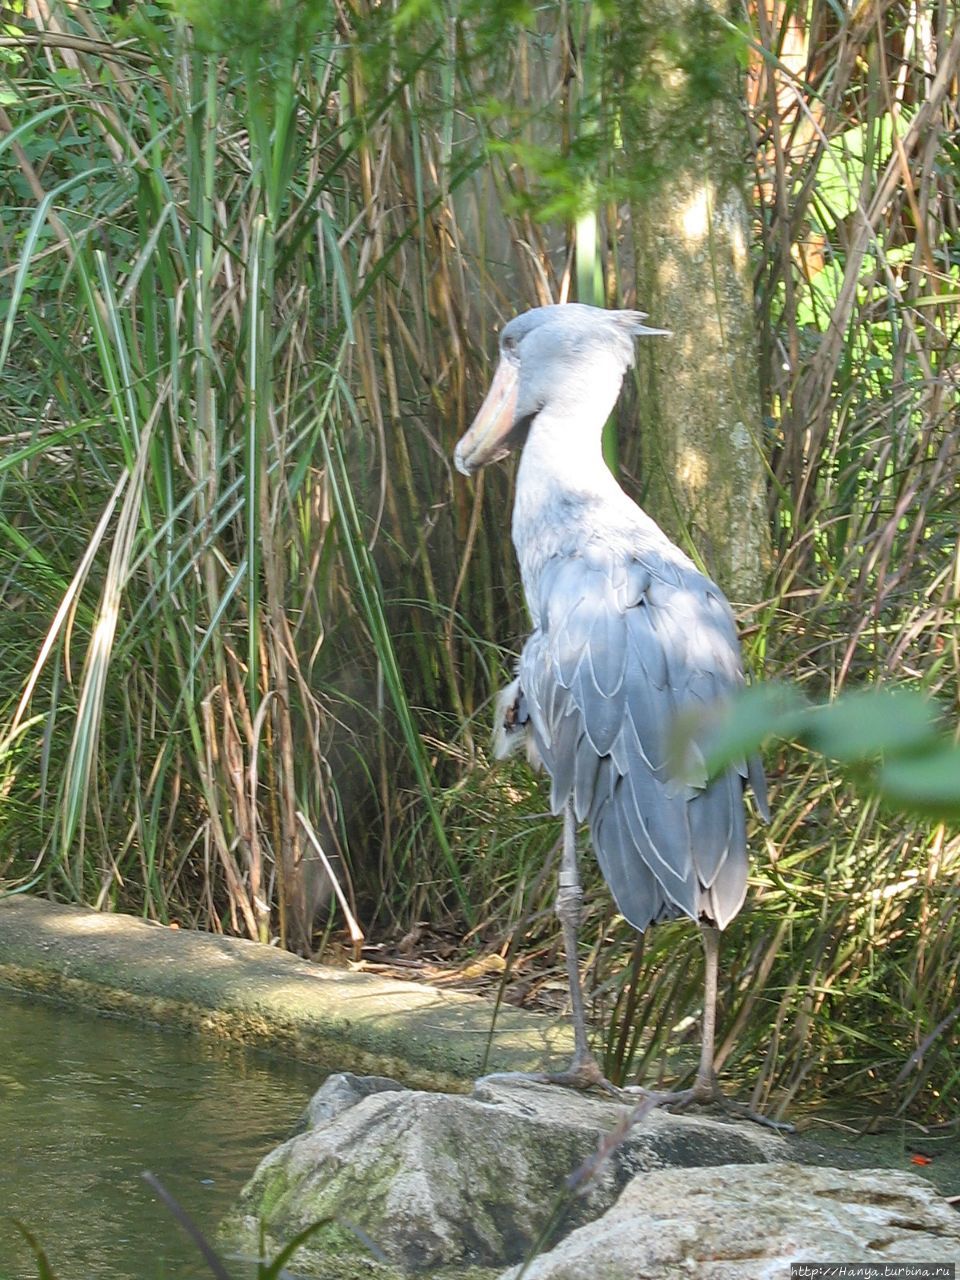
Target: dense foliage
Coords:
[(256, 253)]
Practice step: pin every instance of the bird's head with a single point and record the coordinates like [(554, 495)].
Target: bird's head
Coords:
[(567, 357)]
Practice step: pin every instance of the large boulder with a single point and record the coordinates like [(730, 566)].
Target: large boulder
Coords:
[(441, 1180), (745, 1223)]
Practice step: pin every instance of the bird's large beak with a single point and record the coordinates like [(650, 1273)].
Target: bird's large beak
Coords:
[(488, 437)]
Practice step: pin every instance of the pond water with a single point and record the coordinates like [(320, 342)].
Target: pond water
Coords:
[(87, 1103)]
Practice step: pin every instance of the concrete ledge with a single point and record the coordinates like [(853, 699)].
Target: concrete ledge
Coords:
[(334, 1019)]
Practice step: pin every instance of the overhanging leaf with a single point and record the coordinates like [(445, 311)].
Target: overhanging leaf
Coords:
[(871, 722), (928, 783), (730, 732)]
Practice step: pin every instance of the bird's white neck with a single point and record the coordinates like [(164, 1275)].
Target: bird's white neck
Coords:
[(564, 488), (562, 458)]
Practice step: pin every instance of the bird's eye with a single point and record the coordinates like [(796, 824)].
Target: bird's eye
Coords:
[(508, 342)]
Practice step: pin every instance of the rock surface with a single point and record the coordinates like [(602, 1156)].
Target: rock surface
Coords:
[(334, 1019), (341, 1091), (440, 1180), (745, 1223)]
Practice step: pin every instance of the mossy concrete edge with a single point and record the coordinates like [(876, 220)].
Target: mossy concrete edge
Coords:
[(334, 1019)]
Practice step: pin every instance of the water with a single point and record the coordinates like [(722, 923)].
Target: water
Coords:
[(87, 1103)]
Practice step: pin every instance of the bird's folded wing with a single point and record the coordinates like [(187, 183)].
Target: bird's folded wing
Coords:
[(622, 646)]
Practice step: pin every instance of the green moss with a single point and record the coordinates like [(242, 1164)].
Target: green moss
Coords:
[(272, 1188)]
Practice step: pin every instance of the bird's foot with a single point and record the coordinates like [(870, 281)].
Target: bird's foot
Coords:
[(707, 1093), (507, 1077), (582, 1073), (744, 1112)]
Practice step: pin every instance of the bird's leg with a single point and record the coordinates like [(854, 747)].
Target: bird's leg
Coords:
[(584, 1070), (705, 1084), (569, 909), (705, 1088)]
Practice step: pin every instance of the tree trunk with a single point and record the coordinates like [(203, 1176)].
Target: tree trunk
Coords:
[(702, 438)]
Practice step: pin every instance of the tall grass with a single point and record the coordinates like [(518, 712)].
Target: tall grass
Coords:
[(254, 265), (859, 285), (189, 369)]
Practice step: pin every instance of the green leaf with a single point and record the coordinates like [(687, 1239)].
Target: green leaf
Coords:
[(870, 723), (728, 733), (928, 783), (840, 173)]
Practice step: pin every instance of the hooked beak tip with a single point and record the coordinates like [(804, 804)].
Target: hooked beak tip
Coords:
[(461, 464), (487, 439)]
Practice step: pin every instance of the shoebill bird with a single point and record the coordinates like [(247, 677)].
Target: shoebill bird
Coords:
[(626, 633)]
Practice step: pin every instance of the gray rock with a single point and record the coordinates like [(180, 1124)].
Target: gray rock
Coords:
[(745, 1223), (343, 1090), (440, 1180)]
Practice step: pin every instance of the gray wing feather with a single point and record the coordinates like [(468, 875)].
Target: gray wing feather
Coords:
[(619, 864), (563, 756), (623, 644), (758, 785), (646, 648), (585, 778)]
